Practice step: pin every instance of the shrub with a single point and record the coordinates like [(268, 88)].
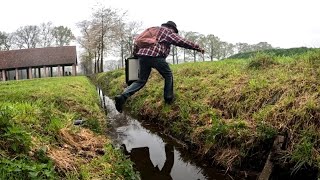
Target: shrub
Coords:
[(261, 60), (303, 151), (17, 139), (313, 58), (265, 131), (25, 168)]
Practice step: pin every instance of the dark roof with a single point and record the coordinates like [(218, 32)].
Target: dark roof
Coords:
[(37, 57)]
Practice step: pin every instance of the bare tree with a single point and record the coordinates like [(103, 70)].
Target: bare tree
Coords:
[(211, 46), (124, 37), (5, 41), (104, 26), (194, 37), (46, 34), (27, 37), (62, 35), (100, 35), (185, 52), (86, 42), (86, 63), (243, 47), (132, 29), (174, 53), (202, 41), (261, 46), (226, 49), (96, 43), (120, 34)]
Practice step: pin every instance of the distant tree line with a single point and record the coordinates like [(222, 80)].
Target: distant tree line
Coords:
[(215, 48), (36, 36)]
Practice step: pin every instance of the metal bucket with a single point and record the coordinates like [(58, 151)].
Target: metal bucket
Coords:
[(132, 70)]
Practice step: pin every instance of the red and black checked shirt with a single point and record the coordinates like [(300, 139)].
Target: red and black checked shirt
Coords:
[(166, 37)]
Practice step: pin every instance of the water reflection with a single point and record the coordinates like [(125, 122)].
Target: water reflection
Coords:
[(156, 156), (141, 157)]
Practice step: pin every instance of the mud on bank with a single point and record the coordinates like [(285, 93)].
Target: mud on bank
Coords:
[(231, 111)]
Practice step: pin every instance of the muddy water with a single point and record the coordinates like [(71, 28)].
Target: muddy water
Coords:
[(156, 156)]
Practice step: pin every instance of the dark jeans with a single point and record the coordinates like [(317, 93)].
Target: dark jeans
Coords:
[(146, 63)]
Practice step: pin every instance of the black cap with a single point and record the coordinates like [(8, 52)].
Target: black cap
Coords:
[(171, 24)]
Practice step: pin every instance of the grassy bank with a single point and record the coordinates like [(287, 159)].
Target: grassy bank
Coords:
[(39, 141), (233, 109)]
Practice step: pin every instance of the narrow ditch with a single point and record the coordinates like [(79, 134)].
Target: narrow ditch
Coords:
[(156, 155)]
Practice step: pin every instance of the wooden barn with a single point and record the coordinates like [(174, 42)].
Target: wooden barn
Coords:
[(38, 63)]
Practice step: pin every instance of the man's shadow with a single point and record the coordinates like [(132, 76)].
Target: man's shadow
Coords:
[(142, 163)]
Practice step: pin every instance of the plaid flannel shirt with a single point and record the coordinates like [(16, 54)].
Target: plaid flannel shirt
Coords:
[(166, 37)]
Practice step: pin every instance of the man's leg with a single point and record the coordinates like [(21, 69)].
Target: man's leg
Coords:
[(144, 73), (167, 167), (163, 68)]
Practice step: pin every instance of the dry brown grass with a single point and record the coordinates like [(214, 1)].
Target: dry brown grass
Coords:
[(227, 157), (76, 148)]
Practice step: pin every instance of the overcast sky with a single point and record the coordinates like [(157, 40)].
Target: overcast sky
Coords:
[(281, 23)]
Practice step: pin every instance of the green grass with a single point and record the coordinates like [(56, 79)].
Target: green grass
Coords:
[(275, 52), (33, 116), (236, 104)]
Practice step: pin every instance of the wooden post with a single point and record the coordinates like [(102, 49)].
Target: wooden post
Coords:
[(59, 70), (30, 72), (268, 167), (3, 75), (17, 74), (74, 70), (51, 73), (63, 71), (35, 72), (21, 76), (45, 71), (39, 72)]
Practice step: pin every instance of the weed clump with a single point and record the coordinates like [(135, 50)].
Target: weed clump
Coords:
[(313, 58), (26, 168), (261, 60)]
